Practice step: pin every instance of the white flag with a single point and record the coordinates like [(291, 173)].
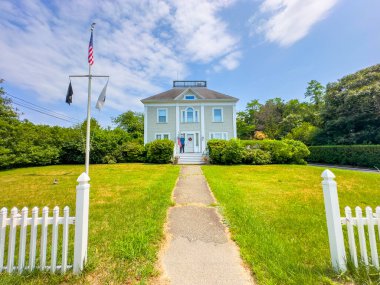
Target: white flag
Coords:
[(102, 98)]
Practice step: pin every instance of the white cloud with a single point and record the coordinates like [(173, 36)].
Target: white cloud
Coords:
[(142, 45), (286, 21)]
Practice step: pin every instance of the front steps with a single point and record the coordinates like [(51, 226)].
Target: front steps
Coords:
[(190, 158)]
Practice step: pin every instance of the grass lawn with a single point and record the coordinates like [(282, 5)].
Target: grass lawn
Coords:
[(128, 204), (276, 215)]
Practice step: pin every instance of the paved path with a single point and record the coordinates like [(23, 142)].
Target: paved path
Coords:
[(198, 250)]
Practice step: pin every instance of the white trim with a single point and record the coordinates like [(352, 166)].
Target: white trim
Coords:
[(162, 136), (196, 149), (224, 135), (145, 124), (181, 104), (177, 120), (234, 120), (184, 118), (167, 115), (187, 90), (203, 135), (213, 115)]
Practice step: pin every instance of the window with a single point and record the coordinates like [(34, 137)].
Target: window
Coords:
[(162, 115), (161, 136), (219, 135), (217, 115), (189, 97), (189, 116)]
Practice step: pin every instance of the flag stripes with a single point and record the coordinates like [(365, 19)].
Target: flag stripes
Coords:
[(90, 52)]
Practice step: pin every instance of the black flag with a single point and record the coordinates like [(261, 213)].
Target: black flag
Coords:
[(69, 95)]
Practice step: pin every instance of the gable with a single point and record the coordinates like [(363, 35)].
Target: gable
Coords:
[(190, 95)]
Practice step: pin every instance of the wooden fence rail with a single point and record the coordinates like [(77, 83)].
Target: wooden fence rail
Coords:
[(17, 228), (365, 227), (19, 222)]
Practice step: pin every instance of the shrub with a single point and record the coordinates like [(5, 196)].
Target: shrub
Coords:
[(259, 135), (232, 153), (132, 152), (358, 155), (159, 151), (256, 156), (215, 148)]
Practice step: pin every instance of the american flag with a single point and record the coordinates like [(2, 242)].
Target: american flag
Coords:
[(90, 52)]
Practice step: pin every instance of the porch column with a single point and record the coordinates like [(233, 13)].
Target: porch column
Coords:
[(177, 118), (203, 135), (145, 124), (234, 120)]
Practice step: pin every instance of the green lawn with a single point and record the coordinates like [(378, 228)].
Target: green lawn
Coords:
[(128, 204), (276, 215)]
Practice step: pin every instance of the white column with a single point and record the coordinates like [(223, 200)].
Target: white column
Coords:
[(145, 124), (177, 120), (203, 135), (234, 120), (334, 226), (81, 223)]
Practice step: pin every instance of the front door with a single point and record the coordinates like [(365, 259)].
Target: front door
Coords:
[(189, 143)]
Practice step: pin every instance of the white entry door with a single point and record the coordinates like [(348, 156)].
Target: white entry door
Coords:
[(189, 143)]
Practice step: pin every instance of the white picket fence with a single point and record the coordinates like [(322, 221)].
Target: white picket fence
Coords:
[(30, 224), (18, 226), (365, 227)]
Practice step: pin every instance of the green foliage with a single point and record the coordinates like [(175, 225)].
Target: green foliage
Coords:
[(256, 156), (132, 152), (159, 151), (132, 123), (305, 133), (360, 155), (232, 153), (215, 149), (316, 92), (271, 151), (352, 109)]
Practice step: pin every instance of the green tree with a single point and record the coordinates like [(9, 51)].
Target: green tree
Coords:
[(315, 91), (351, 114), (132, 123)]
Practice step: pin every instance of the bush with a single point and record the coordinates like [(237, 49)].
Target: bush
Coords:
[(159, 151), (132, 152), (256, 156), (215, 149), (358, 155), (232, 153)]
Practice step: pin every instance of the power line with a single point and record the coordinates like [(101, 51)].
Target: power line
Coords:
[(39, 111), (43, 108)]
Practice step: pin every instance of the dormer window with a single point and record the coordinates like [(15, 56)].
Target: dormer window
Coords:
[(189, 97)]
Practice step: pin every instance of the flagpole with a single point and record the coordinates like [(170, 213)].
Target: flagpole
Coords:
[(87, 159)]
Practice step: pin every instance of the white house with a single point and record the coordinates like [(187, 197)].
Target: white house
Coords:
[(192, 111)]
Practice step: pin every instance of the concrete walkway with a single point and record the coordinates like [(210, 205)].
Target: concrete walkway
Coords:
[(198, 250)]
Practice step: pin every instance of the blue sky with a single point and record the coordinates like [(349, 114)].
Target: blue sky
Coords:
[(257, 49)]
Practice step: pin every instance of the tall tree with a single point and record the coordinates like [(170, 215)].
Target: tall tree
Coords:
[(351, 114), (315, 91), (131, 122)]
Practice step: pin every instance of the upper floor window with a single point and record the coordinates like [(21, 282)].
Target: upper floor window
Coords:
[(189, 116), (162, 115), (217, 115), (189, 97)]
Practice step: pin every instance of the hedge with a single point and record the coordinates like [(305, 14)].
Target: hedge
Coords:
[(159, 151), (357, 155), (257, 151)]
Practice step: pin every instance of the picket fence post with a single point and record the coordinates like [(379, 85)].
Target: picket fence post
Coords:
[(81, 222), (334, 226)]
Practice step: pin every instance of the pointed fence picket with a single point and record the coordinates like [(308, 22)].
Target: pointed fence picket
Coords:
[(18, 225), (364, 226)]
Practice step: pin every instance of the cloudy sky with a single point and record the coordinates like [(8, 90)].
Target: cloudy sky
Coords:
[(250, 49)]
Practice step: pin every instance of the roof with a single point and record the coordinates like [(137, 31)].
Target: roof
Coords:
[(204, 93)]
